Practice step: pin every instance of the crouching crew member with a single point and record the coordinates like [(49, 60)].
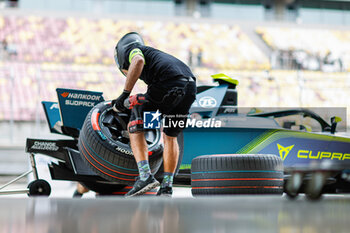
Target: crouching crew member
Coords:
[(171, 89)]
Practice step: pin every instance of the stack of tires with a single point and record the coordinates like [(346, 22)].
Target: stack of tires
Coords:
[(229, 174)]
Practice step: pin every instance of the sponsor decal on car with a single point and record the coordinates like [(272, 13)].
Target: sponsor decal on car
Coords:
[(79, 103), (230, 110), (51, 146), (309, 154), (78, 99), (81, 96), (54, 106), (64, 94), (284, 151), (207, 102)]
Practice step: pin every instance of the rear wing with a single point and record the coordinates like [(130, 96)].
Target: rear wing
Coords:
[(68, 114), (215, 100)]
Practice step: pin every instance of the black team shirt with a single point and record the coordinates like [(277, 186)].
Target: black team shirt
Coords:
[(159, 66)]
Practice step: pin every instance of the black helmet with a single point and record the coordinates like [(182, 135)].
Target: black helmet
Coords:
[(123, 43)]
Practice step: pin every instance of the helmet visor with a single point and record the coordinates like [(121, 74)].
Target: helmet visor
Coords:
[(116, 58), (117, 61)]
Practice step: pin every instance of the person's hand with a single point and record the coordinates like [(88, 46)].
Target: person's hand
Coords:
[(118, 104)]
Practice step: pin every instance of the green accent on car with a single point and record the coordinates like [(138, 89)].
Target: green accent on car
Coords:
[(185, 166), (337, 119), (271, 136), (135, 52), (257, 141), (225, 78)]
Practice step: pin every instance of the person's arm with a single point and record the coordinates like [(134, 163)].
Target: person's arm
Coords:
[(134, 72), (137, 61)]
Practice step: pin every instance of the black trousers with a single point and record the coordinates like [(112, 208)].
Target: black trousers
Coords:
[(172, 113)]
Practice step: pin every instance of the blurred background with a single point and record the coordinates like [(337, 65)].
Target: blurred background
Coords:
[(285, 53)]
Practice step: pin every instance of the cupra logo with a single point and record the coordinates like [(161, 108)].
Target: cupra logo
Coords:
[(284, 151)]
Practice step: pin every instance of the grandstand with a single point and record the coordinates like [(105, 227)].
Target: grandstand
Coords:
[(78, 53), (89, 41), (307, 40)]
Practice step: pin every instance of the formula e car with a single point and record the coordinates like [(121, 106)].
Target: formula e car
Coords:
[(315, 162)]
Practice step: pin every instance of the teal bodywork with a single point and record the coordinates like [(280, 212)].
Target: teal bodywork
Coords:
[(258, 133)]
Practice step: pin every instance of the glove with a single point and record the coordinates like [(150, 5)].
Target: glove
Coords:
[(118, 104)]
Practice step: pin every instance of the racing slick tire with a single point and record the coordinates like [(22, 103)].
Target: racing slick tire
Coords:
[(229, 174), (104, 145)]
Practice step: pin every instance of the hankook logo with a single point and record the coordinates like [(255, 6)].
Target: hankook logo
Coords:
[(124, 151), (64, 94), (80, 96)]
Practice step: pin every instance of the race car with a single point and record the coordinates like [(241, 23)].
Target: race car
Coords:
[(314, 162)]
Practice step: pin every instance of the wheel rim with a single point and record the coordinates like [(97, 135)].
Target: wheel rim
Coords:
[(39, 188), (114, 127)]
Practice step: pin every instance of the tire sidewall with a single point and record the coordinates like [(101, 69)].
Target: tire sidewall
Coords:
[(112, 145), (100, 154)]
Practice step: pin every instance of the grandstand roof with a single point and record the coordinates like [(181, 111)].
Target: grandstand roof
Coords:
[(323, 4)]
